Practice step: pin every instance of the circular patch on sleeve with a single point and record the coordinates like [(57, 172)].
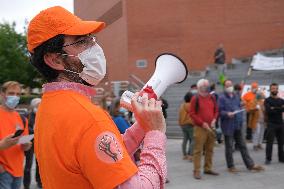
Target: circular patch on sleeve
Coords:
[(108, 148)]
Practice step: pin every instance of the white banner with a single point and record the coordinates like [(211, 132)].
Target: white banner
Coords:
[(264, 63)]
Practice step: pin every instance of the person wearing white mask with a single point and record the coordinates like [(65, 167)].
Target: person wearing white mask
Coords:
[(77, 144), (12, 154), (204, 112), (258, 131), (231, 124), (30, 153)]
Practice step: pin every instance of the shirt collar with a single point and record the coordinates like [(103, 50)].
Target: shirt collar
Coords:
[(77, 87), (230, 96)]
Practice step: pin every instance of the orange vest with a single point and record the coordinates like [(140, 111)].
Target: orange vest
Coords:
[(249, 100), (12, 159), (77, 145)]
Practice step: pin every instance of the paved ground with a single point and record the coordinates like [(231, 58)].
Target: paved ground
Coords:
[(180, 171)]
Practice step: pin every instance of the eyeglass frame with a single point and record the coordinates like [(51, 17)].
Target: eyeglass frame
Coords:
[(83, 41)]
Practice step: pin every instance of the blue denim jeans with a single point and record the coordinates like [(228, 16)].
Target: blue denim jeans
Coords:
[(7, 181)]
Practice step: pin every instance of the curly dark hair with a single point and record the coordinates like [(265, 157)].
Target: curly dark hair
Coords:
[(53, 45)]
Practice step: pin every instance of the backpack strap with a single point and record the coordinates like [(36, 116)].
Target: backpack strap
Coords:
[(24, 120), (197, 102), (213, 98)]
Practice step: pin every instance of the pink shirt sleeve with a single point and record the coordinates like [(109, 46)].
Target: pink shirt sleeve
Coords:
[(133, 137), (152, 167)]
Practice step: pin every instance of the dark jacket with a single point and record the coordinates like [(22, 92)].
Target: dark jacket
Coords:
[(229, 104), (274, 107), (220, 56)]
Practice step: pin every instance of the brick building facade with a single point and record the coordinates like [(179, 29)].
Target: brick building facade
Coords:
[(138, 30)]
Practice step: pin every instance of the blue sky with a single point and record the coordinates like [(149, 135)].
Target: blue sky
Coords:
[(21, 10)]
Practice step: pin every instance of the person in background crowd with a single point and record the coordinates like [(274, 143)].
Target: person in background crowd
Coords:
[(11, 158), (204, 112), (213, 91), (249, 100), (186, 125), (231, 124), (165, 106), (274, 107), (117, 114), (77, 144), (106, 101), (218, 130), (258, 131), (30, 153), (193, 89), (220, 60), (238, 91)]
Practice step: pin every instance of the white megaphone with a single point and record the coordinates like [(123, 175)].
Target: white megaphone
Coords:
[(170, 69)]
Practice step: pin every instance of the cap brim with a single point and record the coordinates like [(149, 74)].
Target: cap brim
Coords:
[(85, 27)]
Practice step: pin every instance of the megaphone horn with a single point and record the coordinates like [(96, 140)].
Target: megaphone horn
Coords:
[(170, 69)]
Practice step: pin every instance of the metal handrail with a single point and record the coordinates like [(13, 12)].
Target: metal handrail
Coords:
[(137, 80)]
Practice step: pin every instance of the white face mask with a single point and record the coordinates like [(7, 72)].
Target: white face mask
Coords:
[(94, 62), (229, 89), (194, 91)]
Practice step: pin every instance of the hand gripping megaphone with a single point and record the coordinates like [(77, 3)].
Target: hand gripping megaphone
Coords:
[(170, 69)]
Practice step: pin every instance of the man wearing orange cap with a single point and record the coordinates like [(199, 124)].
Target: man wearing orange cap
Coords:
[(250, 103), (76, 143)]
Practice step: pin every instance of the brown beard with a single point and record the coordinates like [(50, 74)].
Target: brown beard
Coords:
[(74, 65)]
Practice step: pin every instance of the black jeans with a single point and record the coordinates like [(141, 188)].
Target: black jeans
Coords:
[(28, 169), (248, 129), (229, 142), (272, 131)]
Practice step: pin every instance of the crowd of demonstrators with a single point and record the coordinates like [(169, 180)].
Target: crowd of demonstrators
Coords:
[(30, 153), (199, 113), (231, 123), (11, 153), (274, 108), (92, 150), (186, 125), (204, 112)]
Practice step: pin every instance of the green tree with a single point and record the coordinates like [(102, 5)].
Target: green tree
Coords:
[(14, 58)]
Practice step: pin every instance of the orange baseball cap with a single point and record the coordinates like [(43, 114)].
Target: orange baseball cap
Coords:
[(57, 20)]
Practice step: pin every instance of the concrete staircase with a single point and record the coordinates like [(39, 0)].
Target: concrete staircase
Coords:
[(174, 95)]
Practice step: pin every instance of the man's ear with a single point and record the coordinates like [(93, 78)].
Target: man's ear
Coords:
[(2, 95), (51, 59)]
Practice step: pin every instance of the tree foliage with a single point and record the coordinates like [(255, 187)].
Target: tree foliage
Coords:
[(14, 58)]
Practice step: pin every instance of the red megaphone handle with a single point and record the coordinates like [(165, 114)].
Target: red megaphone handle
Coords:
[(149, 90)]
